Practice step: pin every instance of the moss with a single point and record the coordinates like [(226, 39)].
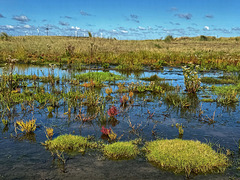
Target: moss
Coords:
[(185, 156), (121, 150), (99, 76), (69, 143), (207, 100)]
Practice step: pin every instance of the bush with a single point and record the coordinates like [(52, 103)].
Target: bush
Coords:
[(168, 38), (185, 156), (4, 36)]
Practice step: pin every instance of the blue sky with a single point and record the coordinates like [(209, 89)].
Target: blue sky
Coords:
[(122, 19)]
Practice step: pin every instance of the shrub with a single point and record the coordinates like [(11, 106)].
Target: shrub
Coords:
[(203, 38), (185, 156), (168, 38), (4, 36), (121, 150)]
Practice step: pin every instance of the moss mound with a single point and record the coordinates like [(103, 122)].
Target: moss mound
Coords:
[(68, 143), (121, 150), (185, 156)]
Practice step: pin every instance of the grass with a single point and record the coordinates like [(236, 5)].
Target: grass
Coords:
[(227, 95), (218, 53), (185, 156), (211, 80), (68, 143), (121, 150), (99, 76), (207, 100)]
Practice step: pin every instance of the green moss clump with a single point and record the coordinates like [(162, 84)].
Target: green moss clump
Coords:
[(210, 80), (99, 76), (68, 143), (153, 78), (185, 156), (121, 150), (208, 100)]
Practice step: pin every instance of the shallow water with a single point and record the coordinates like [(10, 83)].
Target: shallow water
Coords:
[(25, 158)]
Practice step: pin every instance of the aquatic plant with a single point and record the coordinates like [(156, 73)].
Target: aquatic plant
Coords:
[(191, 80), (27, 127), (112, 135), (5, 122), (68, 143), (112, 111), (124, 100), (121, 150), (185, 156), (105, 131), (177, 100), (49, 133), (108, 91), (99, 76), (211, 80), (227, 95)]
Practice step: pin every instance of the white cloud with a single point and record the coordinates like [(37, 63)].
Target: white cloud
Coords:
[(141, 28), (123, 31), (9, 27), (27, 26), (206, 27)]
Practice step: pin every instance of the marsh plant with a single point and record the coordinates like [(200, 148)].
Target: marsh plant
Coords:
[(121, 150), (185, 156), (191, 80), (26, 127)]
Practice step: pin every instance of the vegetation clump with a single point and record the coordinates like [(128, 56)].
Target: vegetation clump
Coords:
[(191, 80), (211, 80), (27, 127), (121, 150), (153, 78), (68, 143), (99, 76), (227, 95), (185, 156)]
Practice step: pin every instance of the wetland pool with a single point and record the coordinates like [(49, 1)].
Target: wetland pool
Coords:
[(146, 115)]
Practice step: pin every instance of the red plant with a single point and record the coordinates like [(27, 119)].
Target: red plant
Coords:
[(105, 131), (112, 111)]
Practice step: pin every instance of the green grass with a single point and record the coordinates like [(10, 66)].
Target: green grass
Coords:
[(185, 156), (68, 143), (99, 76), (208, 100), (227, 95), (121, 150), (210, 80), (128, 54)]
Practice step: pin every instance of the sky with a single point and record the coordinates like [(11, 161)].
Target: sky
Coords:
[(121, 19)]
